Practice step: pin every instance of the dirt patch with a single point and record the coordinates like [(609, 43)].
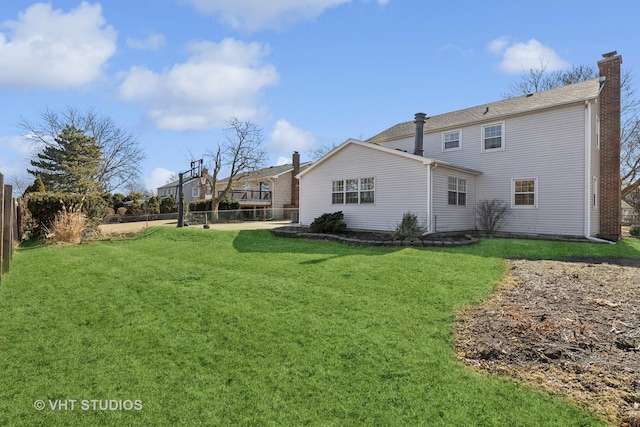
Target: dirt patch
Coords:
[(571, 328), (129, 228)]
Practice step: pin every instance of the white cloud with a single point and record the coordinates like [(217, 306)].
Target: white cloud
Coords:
[(219, 81), (254, 15), (157, 178), (283, 161), (498, 45), (14, 156), (53, 49), (288, 138), (521, 57), (151, 42)]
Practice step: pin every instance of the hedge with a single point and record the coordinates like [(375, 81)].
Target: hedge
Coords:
[(44, 207)]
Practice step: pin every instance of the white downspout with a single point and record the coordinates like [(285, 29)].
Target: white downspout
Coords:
[(429, 209), (587, 171), (430, 195)]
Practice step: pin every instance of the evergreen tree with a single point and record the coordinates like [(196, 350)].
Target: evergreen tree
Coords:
[(71, 164), (36, 187)]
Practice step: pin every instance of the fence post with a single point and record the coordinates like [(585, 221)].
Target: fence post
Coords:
[(1, 226), (7, 227)]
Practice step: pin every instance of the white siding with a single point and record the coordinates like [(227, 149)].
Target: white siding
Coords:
[(547, 145), (400, 186), (452, 218)]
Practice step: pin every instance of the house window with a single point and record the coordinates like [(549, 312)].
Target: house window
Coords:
[(594, 192), (337, 196), (493, 137), (457, 191), (451, 141), (525, 192), (353, 191), (195, 192), (367, 189)]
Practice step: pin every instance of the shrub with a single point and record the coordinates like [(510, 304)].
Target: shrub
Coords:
[(68, 226), (329, 223), (409, 228), (491, 214), (44, 207), (168, 205), (634, 230), (226, 204), (152, 205)]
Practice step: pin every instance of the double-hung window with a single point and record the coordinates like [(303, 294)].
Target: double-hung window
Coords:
[(525, 193), (457, 193), (337, 195), (493, 137), (451, 141), (353, 191)]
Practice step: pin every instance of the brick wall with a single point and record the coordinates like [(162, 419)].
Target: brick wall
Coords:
[(610, 198)]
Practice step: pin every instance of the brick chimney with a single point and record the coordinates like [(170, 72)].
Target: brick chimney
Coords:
[(610, 185), (419, 145), (295, 195)]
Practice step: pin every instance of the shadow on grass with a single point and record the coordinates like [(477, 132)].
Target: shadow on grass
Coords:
[(626, 252), (262, 241)]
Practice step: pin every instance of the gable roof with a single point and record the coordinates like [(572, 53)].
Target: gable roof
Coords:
[(569, 94), (265, 173), (391, 151)]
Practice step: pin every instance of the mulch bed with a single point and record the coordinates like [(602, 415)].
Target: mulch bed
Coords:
[(568, 327)]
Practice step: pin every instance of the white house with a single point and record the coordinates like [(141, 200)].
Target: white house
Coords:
[(553, 157), (270, 187)]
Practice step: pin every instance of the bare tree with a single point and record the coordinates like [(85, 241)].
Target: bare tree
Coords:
[(317, 153), (240, 152), (121, 154), (538, 79)]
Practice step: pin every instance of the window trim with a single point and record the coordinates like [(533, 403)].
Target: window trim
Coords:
[(457, 191), (483, 139), (459, 147), (195, 192), (535, 193)]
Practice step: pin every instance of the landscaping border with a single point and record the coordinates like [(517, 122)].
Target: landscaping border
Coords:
[(375, 239)]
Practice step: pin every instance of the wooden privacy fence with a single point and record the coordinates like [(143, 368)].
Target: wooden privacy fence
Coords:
[(9, 225)]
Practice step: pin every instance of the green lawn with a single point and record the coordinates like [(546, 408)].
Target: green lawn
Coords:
[(241, 328)]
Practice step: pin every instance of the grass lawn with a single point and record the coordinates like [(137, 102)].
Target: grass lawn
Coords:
[(240, 328)]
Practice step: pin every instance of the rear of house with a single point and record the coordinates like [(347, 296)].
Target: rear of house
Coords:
[(541, 154)]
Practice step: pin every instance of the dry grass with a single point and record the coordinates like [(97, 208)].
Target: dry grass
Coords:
[(68, 226)]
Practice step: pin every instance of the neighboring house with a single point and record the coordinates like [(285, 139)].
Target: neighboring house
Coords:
[(272, 187), (553, 157)]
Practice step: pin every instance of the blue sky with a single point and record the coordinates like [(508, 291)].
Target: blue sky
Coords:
[(309, 73)]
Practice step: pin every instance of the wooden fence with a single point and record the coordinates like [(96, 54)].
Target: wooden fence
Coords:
[(9, 225)]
